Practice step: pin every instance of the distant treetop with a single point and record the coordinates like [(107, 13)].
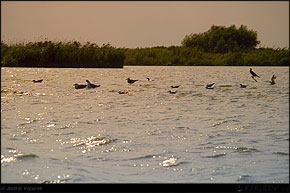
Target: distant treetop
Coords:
[(221, 39)]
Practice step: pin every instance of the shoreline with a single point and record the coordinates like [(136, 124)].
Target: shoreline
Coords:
[(50, 54)]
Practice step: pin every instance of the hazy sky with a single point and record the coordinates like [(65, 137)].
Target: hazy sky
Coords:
[(140, 24)]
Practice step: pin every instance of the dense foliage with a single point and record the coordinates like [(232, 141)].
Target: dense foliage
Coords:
[(220, 39), (187, 56), (220, 46), (70, 54)]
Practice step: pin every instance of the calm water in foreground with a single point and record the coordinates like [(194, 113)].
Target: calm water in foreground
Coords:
[(51, 132)]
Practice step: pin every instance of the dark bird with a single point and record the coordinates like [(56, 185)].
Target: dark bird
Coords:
[(123, 92), (37, 81), (210, 86), (80, 86), (90, 85), (175, 86), (243, 85), (130, 81), (272, 81), (254, 74), (172, 92)]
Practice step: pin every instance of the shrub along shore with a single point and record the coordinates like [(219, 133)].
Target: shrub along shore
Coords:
[(61, 55), (75, 55), (219, 46)]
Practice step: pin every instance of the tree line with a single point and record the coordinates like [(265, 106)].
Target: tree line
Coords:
[(219, 46), (221, 39), (188, 56), (62, 55)]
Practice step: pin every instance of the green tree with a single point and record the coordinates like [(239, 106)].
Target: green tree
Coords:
[(221, 39)]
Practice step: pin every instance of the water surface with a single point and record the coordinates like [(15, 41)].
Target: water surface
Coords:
[(53, 133)]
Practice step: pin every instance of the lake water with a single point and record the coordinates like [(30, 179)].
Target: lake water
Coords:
[(53, 133)]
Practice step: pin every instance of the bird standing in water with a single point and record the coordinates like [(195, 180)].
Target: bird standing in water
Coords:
[(148, 79), (130, 81), (172, 92), (90, 85), (80, 86), (210, 86), (37, 81), (254, 74), (243, 85), (272, 81)]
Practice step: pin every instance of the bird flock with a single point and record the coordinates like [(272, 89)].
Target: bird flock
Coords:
[(90, 85)]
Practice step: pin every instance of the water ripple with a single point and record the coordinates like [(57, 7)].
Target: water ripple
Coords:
[(281, 153), (88, 143), (246, 150), (215, 155), (226, 127)]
